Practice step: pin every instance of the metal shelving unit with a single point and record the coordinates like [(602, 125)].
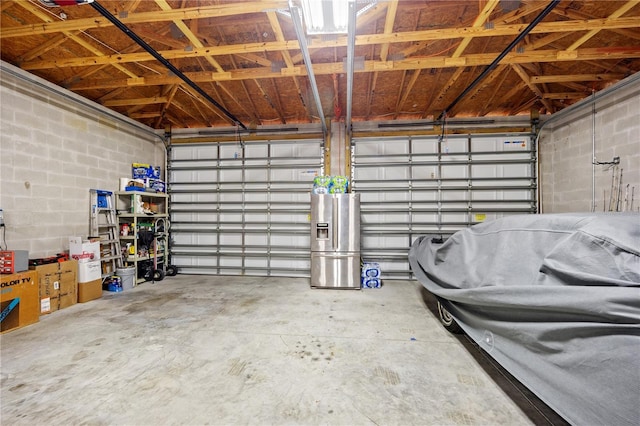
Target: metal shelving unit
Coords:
[(130, 213)]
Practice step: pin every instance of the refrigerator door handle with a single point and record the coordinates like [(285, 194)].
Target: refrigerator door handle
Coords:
[(336, 224)]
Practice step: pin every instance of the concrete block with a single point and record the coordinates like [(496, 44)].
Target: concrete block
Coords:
[(75, 122), (17, 101), (44, 191), (28, 120)]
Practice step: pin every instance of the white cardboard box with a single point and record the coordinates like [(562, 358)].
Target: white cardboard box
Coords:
[(83, 251), (89, 271)]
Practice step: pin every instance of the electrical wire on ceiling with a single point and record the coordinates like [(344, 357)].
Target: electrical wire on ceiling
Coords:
[(504, 53), (115, 21), (127, 31), (39, 4)]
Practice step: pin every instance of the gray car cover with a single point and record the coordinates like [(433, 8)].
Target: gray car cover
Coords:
[(555, 299)]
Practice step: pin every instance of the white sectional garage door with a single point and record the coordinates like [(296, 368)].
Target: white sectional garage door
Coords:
[(412, 186), (242, 209)]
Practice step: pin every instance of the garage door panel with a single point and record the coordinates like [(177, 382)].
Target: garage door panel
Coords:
[(445, 184), (242, 209)]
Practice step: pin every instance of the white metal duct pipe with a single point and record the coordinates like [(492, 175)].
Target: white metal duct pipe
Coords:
[(302, 41), (351, 48), (593, 154)]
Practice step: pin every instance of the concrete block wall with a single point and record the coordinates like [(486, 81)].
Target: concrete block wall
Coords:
[(52, 151), (565, 148)]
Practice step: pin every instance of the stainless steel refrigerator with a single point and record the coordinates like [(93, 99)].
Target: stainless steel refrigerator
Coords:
[(335, 241)]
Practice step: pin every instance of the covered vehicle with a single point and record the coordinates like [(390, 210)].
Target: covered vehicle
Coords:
[(553, 298)]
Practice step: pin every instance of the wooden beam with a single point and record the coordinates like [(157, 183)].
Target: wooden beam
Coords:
[(142, 115), (6, 4), (478, 23), (567, 95), (195, 95), (525, 78), (538, 79), (137, 101), (197, 105), (388, 28), (248, 99), (437, 132), (256, 59), (73, 35), (511, 94), (175, 120), (233, 96), (497, 72), (392, 8), (544, 41), (200, 12), (487, 105), (404, 37), (286, 56), (407, 90), (252, 137), (189, 34), (372, 81), (629, 52), (521, 12), (619, 12), (161, 36), (45, 47), (277, 108), (170, 93), (88, 71), (448, 85), (525, 105), (574, 14)]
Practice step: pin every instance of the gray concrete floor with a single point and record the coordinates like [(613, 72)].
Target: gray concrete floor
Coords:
[(241, 350)]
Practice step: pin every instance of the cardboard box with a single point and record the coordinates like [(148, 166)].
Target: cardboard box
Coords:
[(21, 292), (89, 271), (89, 291), (58, 284), (84, 251), (143, 170), (131, 183)]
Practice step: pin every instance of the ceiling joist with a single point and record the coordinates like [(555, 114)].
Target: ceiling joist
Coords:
[(413, 36), (630, 52), (414, 57)]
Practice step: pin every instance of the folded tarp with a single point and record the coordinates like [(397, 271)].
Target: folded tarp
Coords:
[(555, 299)]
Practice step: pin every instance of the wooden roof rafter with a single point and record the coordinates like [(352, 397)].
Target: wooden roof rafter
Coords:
[(197, 103), (231, 95), (196, 97), (413, 57), (253, 112), (195, 41), (71, 35), (479, 22), (170, 92), (525, 78), (411, 36), (286, 57), (574, 14), (550, 55), (618, 13), (201, 12), (502, 72)]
